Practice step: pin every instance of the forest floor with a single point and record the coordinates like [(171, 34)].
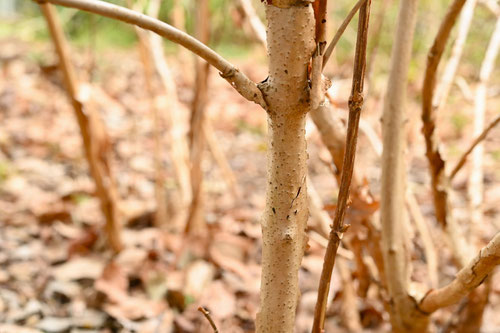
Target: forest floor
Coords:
[(57, 273)]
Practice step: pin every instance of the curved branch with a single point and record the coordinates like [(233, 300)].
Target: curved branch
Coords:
[(436, 162), (443, 88), (238, 80), (466, 280)]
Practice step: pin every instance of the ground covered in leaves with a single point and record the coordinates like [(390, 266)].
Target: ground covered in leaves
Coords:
[(57, 273)]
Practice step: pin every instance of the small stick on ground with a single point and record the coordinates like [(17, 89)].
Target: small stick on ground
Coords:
[(355, 106), (206, 313)]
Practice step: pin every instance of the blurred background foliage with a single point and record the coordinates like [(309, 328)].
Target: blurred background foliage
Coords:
[(21, 18)]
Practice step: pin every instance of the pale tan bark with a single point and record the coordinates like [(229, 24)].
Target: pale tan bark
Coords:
[(443, 89), (95, 140), (256, 25), (425, 234), (332, 134), (161, 214), (476, 188), (467, 279), (290, 38), (196, 220), (177, 131), (404, 318), (468, 317)]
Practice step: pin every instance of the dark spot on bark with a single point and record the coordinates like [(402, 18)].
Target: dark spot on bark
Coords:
[(295, 213), (323, 21), (288, 217), (274, 210), (286, 71)]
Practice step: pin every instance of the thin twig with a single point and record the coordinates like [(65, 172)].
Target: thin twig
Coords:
[(341, 30), (355, 106), (206, 313), (246, 87), (467, 279), (480, 138)]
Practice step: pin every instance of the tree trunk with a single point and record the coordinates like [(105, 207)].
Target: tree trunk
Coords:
[(290, 38)]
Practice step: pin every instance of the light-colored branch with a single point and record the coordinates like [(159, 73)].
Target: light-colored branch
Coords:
[(161, 214), (466, 280), (443, 89), (439, 181), (355, 107), (341, 30), (256, 25), (425, 234), (475, 186), (238, 80), (480, 138), (392, 209), (179, 149)]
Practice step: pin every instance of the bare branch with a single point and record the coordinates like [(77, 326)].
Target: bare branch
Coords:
[(341, 30), (206, 313), (238, 80), (443, 89), (475, 186), (254, 21), (436, 162), (466, 280), (94, 136), (392, 209), (480, 138), (355, 106)]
